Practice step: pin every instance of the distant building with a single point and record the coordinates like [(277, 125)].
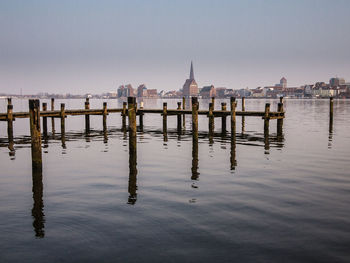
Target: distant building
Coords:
[(125, 91), (142, 91), (190, 88), (335, 82), (208, 91), (220, 92), (283, 83), (152, 93)]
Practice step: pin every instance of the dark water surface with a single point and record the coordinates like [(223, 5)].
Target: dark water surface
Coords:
[(248, 199)]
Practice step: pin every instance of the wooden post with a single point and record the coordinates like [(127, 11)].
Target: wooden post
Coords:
[(124, 116), (281, 99), (280, 121), (233, 115), (331, 107), (211, 120), (10, 122), (9, 101), (45, 120), (53, 119), (213, 102), (195, 107), (223, 118), (165, 117), (243, 118), (63, 128), (141, 116), (132, 186), (184, 115), (267, 118), (87, 116), (194, 168), (104, 118), (132, 116), (179, 117), (34, 120)]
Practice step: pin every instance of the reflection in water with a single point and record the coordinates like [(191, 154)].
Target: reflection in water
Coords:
[(243, 124), (38, 205), (266, 142), (132, 171), (233, 149), (194, 169), (330, 132)]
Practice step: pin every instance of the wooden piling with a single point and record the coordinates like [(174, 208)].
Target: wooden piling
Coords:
[(243, 118), (213, 102), (45, 120), (53, 119), (233, 160), (63, 128), (223, 118), (165, 114), (34, 121), (184, 116), (132, 186), (179, 117), (211, 120), (195, 107), (233, 114), (9, 101), (87, 116), (280, 121), (10, 122), (331, 107), (132, 116), (281, 99), (194, 168), (141, 116), (267, 118), (124, 116), (104, 116)]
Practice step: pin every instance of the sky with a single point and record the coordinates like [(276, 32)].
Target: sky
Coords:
[(86, 46)]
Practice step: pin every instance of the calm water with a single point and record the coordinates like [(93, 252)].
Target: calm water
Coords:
[(252, 199)]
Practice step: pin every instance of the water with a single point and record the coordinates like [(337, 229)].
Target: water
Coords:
[(253, 199)]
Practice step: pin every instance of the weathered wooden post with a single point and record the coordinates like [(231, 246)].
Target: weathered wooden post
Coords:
[(104, 116), (53, 119), (179, 117), (223, 118), (211, 120), (184, 115), (233, 115), (280, 121), (63, 128), (132, 186), (281, 99), (141, 116), (87, 116), (10, 122), (195, 107), (132, 116), (267, 118), (243, 118), (165, 117), (213, 102), (34, 120), (194, 169), (124, 117), (45, 120), (331, 107)]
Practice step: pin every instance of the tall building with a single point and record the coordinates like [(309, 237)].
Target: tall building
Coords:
[(283, 83), (190, 88), (142, 91), (335, 82)]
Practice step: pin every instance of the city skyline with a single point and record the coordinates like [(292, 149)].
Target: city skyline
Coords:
[(93, 47)]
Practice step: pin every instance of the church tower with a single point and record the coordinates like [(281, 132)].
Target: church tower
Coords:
[(190, 88)]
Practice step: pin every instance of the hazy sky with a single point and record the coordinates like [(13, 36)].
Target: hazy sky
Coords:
[(95, 46)]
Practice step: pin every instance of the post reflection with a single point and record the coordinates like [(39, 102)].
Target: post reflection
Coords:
[(330, 131), (194, 169), (233, 160), (132, 187), (38, 204)]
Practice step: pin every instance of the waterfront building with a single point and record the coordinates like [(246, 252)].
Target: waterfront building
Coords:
[(142, 91), (190, 88), (208, 92)]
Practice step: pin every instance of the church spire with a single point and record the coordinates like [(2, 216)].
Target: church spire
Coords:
[(191, 72)]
